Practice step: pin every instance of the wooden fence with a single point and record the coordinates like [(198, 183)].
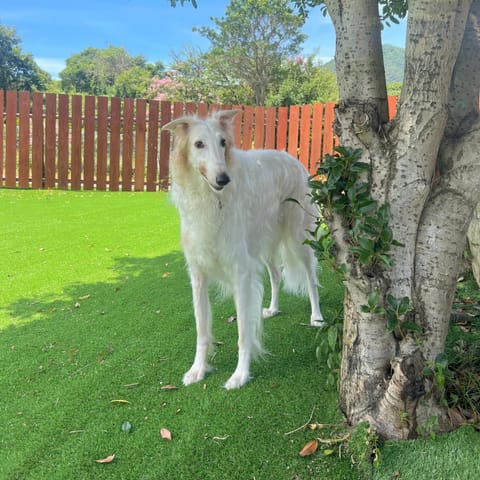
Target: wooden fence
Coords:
[(85, 142)]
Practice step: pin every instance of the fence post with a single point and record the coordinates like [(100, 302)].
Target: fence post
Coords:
[(127, 152), (166, 116), (89, 144), (63, 141), (11, 141), (2, 95), (114, 158), (38, 166), (24, 140), (152, 149), (102, 132)]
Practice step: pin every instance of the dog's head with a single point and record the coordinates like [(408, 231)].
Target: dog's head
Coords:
[(204, 145)]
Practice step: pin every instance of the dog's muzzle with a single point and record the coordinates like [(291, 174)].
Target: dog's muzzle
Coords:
[(222, 180)]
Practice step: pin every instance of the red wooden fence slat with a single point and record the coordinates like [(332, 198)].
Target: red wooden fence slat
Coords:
[(11, 141), (140, 131), (247, 127), (102, 132), (237, 126), (282, 125), (76, 159), (24, 140), (328, 137), (165, 117), (190, 108), (214, 107), (1, 137), (152, 150), (202, 110), (316, 146), (63, 141), (259, 135), (293, 125), (37, 140), (89, 144), (50, 139), (114, 156), (127, 146), (304, 153), (392, 107), (270, 127), (178, 110)]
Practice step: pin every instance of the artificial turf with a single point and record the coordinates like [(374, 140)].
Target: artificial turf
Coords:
[(95, 307)]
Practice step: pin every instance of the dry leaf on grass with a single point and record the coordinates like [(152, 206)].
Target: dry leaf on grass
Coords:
[(169, 387), (120, 400), (108, 459), (309, 448), (166, 434)]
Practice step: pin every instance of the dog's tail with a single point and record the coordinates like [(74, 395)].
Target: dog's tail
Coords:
[(297, 261)]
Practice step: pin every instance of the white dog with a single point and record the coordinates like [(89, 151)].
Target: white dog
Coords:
[(239, 211)]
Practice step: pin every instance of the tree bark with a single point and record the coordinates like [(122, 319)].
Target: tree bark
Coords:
[(425, 166)]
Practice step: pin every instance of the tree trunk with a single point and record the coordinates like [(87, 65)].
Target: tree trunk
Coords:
[(474, 244), (425, 166)]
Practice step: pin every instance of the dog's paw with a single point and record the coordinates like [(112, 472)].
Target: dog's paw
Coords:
[(194, 375), (237, 380), (269, 312), (316, 321)]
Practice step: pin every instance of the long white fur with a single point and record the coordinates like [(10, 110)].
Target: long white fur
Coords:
[(237, 215)]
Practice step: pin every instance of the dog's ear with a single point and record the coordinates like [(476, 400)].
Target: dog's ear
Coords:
[(225, 117), (179, 125)]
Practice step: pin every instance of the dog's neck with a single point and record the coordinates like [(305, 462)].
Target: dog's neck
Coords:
[(191, 193)]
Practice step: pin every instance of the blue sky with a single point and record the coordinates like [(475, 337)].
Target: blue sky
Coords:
[(53, 30)]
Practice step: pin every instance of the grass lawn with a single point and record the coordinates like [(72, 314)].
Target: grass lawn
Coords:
[(95, 306)]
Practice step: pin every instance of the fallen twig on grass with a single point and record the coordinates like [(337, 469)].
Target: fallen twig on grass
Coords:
[(305, 425)]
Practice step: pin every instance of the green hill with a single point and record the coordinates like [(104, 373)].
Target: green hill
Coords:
[(394, 60)]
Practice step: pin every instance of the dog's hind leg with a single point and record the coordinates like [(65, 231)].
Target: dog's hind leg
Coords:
[(248, 301), (203, 321), (275, 277), (316, 319)]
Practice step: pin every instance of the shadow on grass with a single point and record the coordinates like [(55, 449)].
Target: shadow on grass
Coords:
[(145, 312), (65, 359)]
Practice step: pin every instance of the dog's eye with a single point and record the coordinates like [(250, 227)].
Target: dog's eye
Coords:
[(199, 144), (223, 143)]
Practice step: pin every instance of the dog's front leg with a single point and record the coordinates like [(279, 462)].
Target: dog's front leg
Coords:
[(248, 301), (203, 321)]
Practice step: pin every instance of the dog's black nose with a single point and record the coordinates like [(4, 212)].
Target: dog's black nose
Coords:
[(222, 179)]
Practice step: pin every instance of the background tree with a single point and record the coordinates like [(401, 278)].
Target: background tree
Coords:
[(250, 42), (303, 81), (417, 183), (18, 71), (110, 71), (193, 77)]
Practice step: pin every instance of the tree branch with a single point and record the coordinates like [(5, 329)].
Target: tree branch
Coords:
[(359, 58), (444, 224), (463, 102), (435, 30)]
